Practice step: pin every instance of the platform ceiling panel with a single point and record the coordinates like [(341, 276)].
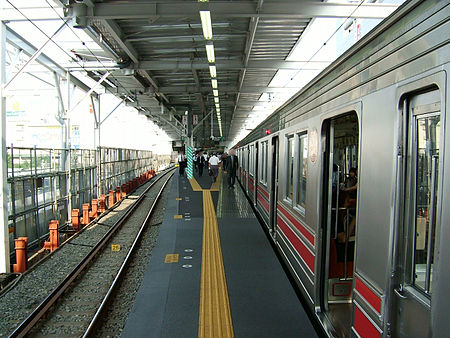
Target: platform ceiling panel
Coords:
[(155, 53)]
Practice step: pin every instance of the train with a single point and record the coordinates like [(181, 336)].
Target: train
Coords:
[(349, 179)]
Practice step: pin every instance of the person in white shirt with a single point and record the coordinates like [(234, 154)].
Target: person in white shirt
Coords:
[(214, 166)]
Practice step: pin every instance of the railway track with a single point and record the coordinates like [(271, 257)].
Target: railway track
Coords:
[(77, 303)]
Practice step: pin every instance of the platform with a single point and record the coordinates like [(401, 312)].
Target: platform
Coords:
[(240, 289)]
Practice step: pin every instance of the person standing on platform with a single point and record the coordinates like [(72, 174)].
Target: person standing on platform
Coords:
[(224, 160), (200, 163), (231, 166), (214, 166), (181, 163)]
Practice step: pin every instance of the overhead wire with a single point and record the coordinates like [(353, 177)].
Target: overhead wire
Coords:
[(50, 38), (87, 47), (46, 35)]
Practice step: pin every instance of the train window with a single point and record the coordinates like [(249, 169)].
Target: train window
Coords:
[(427, 171), (251, 160), (302, 166), (290, 167), (263, 161)]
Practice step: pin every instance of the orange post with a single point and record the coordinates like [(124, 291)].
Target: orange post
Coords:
[(111, 198), (76, 219), (118, 194), (124, 190), (94, 212), (102, 204), (85, 219), (21, 245), (53, 242)]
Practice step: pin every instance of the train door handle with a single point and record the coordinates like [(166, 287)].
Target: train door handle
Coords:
[(399, 293)]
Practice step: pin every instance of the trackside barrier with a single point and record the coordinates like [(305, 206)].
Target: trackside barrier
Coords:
[(21, 245), (102, 204), (85, 217), (94, 210), (118, 194), (53, 242), (111, 198), (76, 219), (99, 205)]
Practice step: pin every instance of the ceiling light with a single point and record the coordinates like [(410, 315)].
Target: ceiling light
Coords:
[(213, 71), (205, 16), (210, 52), (216, 100), (217, 106), (215, 92), (214, 83)]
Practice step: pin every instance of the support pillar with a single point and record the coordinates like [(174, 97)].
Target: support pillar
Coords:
[(190, 165), (4, 231)]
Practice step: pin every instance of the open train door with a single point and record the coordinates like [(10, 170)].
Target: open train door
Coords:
[(274, 185), (339, 205), (418, 229)]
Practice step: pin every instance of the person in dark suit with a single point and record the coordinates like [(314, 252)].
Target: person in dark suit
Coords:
[(231, 166)]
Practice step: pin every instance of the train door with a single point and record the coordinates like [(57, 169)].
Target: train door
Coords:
[(418, 243), (274, 186), (255, 173), (340, 182)]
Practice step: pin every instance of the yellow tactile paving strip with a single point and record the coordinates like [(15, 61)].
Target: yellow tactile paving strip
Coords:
[(215, 315), (194, 185), (214, 187)]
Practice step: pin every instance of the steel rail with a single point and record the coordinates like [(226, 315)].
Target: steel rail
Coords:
[(90, 329), (27, 324)]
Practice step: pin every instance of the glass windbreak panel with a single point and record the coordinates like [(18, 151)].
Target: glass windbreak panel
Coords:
[(290, 167), (427, 173), (302, 169)]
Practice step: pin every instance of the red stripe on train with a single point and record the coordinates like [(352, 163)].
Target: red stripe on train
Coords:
[(263, 202), (363, 325), (297, 224), (251, 180), (368, 295), (265, 193), (302, 250)]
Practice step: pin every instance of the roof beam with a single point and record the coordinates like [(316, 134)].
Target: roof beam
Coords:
[(225, 89), (240, 9), (201, 64), (117, 34), (199, 95), (248, 49)]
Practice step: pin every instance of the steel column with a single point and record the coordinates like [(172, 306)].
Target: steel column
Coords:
[(4, 232)]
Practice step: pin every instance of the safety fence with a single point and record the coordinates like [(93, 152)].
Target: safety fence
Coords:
[(46, 184)]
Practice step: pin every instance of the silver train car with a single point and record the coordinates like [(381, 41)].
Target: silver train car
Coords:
[(349, 177)]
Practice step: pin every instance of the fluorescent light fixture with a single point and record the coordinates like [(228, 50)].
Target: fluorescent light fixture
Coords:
[(214, 83), (210, 52), (213, 71), (216, 100), (205, 16), (215, 92), (217, 106)]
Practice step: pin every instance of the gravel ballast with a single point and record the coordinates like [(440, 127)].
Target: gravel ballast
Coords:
[(36, 284)]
